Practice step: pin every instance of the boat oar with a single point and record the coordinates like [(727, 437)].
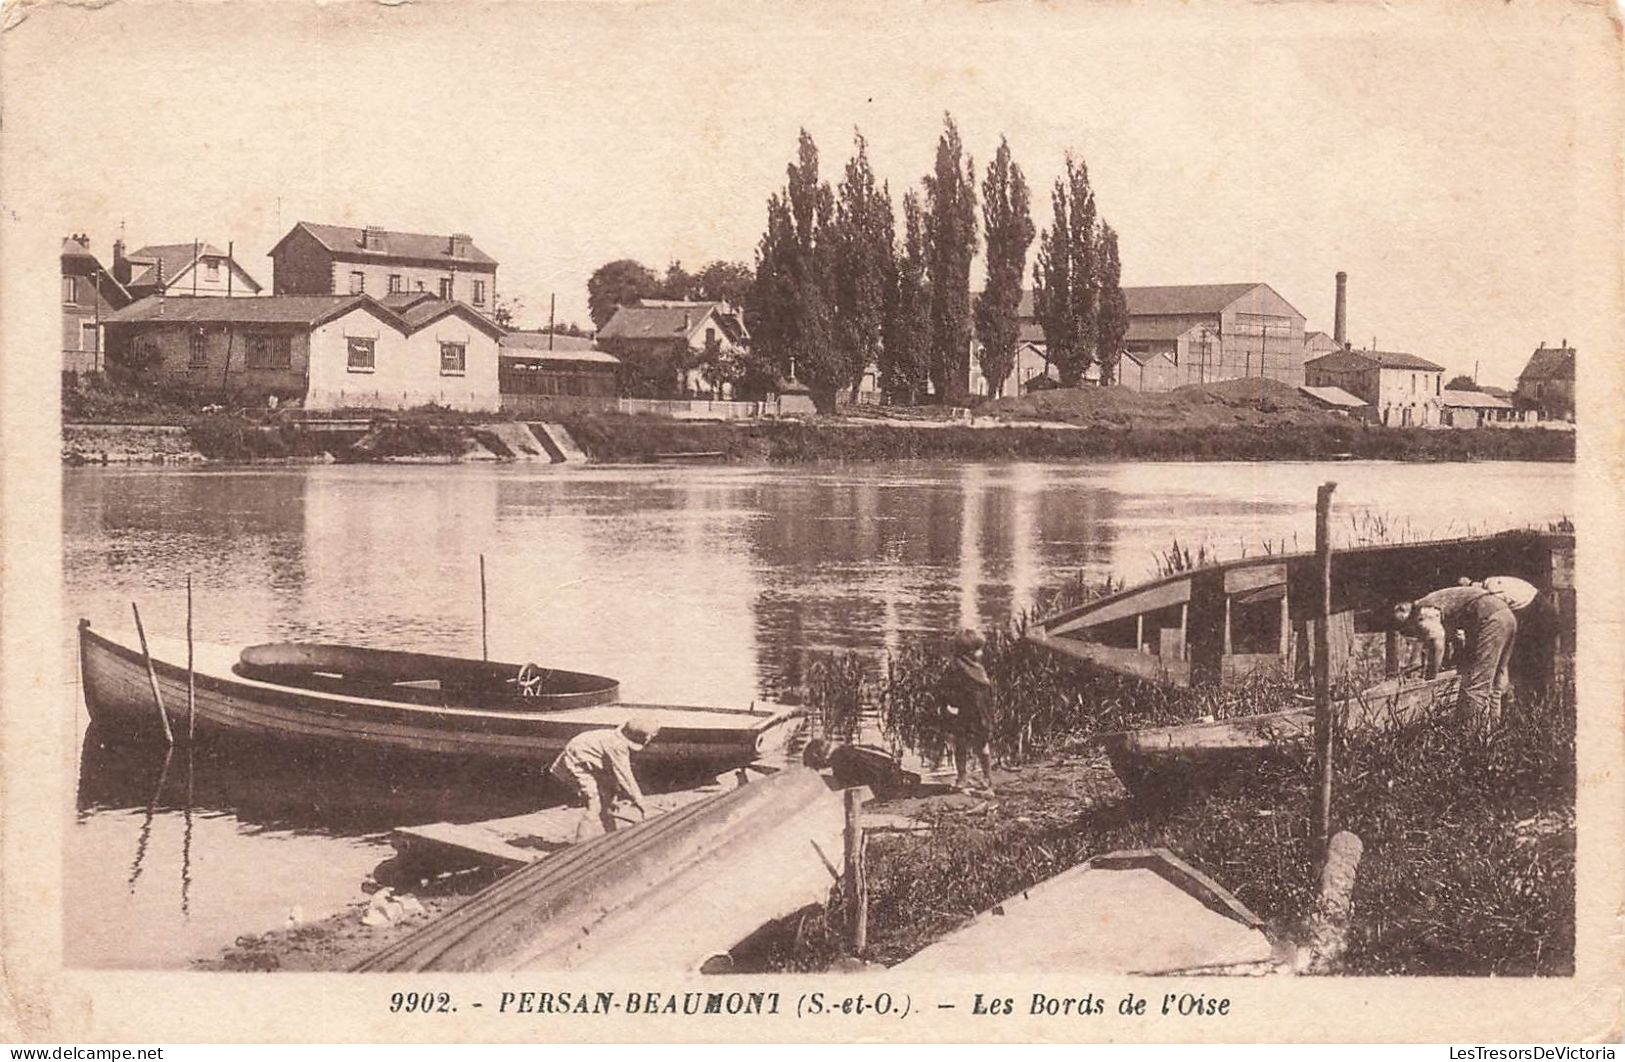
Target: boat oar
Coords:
[(152, 677)]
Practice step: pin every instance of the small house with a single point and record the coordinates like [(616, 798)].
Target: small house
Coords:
[(194, 268), (324, 351), (89, 293), (1474, 409), (672, 343), (1546, 384), (1402, 389), (542, 372)]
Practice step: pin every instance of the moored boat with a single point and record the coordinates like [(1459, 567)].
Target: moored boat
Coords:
[(349, 700), (1215, 625)]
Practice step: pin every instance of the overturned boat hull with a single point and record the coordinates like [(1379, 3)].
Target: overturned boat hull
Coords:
[(1161, 762), (662, 897)]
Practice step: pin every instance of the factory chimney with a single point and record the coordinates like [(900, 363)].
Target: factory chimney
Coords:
[(1340, 322)]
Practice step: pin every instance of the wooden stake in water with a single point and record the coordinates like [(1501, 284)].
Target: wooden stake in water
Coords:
[(152, 678), (191, 675), (1323, 670), (857, 885), (485, 639)]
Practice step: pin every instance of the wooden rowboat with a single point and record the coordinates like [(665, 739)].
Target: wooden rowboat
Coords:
[(352, 701), (1213, 626), (1161, 762)]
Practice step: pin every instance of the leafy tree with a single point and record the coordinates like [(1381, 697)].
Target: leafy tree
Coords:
[(719, 368), (724, 282), (618, 283), (505, 309), (1007, 220), (1112, 321), (793, 298), (1463, 382), (677, 284), (863, 237), (1065, 281), (904, 356), (565, 328), (950, 195)]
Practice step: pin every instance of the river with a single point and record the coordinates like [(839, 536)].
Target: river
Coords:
[(706, 584)]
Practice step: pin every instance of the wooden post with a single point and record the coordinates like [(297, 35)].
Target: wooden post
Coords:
[(191, 675), (1323, 670), (1390, 654), (485, 641), (152, 677), (857, 888)]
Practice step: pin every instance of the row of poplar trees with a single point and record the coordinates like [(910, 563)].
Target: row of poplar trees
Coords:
[(838, 288)]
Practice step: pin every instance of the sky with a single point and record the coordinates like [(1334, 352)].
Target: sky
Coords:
[(1455, 161)]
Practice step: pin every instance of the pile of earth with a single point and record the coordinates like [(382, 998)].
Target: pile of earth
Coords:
[(1228, 403)]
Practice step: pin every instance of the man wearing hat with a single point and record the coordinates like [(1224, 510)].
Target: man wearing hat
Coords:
[(967, 694), (597, 764)]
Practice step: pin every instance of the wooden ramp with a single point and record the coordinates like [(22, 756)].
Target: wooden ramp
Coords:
[(518, 840), (661, 898)]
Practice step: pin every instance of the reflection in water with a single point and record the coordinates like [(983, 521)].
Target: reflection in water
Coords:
[(702, 585)]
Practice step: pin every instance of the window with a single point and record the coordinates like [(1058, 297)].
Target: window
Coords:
[(479, 293), (198, 349), (395, 286), (70, 289), (452, 358), (211, 268), (358, 283), (445, 287), (267, 351), (420, 283), (362, 355), (87, 337)]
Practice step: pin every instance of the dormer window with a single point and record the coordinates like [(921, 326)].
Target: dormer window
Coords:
[(211, 269)]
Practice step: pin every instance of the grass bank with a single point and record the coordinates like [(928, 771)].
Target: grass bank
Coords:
[(1469, 841)]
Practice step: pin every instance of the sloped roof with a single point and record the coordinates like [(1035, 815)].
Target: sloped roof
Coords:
[(425, 312), (570, 354), (1168, 300), (221, 309), (1156, 329), (1472, 399), (345, 240), (72, 248), (539, 341), (664, 319), (177, 258), (1365, 359), (1184, 298), (1549, 363), (1144, 358), (1333, 396)]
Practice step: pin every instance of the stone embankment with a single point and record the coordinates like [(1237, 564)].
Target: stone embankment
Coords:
[(103, 444)]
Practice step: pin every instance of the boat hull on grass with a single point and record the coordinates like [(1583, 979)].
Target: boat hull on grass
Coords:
[(1164, 763), (475, 724)]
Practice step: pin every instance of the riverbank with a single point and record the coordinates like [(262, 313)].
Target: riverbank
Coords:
[(1242, 420)]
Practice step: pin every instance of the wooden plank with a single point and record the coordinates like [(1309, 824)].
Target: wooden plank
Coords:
[(1150, 599), (1253, 577)]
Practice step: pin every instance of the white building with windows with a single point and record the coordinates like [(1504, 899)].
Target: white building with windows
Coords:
[(320, 351)]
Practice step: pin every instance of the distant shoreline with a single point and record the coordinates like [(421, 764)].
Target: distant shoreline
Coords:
[(622, 439)]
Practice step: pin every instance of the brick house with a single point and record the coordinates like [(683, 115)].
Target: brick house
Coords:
[(193, 268), (1402, 389), (1546, 384), (339, 260), (324, 351), (89, 293)]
